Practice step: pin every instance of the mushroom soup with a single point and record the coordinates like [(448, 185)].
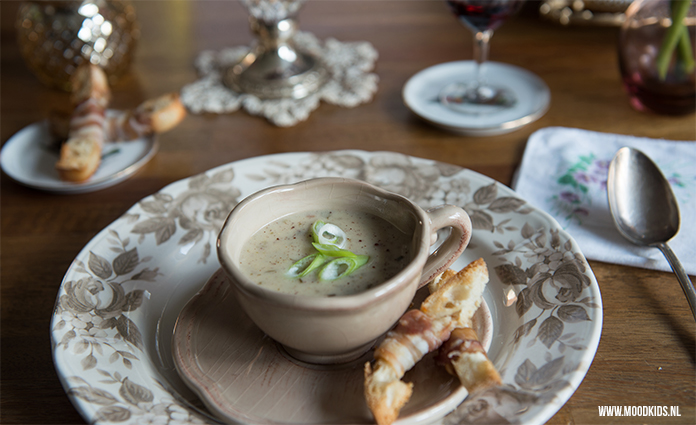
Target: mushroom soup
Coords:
[(268, 257)]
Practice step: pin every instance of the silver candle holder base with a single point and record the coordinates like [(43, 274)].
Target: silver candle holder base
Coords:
[(274, 67)]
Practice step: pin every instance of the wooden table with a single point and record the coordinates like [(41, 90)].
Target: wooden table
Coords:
[(647, 354)]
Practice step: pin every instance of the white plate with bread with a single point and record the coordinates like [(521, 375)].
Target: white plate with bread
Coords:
[(29, 157), (94, 147)]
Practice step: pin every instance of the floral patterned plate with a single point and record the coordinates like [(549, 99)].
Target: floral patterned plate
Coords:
[(118, 303)]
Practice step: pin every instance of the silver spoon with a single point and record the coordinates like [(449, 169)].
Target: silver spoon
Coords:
[(645, 210)]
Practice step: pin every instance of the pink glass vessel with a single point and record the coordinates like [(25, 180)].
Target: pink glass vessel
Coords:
[(641, 41)]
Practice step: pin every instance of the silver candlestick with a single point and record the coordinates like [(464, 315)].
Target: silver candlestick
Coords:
[(274, 67)]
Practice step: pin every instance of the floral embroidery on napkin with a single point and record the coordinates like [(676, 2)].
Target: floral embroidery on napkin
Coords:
[(576, 187), (681, 175), (584, 182)]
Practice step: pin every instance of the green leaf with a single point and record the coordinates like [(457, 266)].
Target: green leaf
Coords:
[(684, 51), (672, 38), (566, 179)]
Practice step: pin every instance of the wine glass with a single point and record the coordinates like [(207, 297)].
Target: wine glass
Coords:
[(478, 95), (275, 67)]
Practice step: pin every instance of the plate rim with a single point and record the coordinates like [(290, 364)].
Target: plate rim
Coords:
[(546, 411)]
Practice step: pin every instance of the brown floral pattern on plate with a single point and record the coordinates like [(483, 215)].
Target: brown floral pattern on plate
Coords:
[(117, 305)]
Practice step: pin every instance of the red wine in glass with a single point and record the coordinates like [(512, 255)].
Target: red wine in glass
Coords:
[(482, 17)]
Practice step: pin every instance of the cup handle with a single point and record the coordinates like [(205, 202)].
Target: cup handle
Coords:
[(458, 220)]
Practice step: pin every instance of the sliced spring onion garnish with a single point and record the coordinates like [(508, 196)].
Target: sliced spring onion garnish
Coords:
[(332, 250), (306, 265), (342, 266), (328, 234), (329, 241), (316, 229)]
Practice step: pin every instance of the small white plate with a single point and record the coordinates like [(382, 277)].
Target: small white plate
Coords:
[(29, 158), (421, 95)]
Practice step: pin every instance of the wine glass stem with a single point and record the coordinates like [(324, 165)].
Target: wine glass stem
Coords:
[(481, 40)]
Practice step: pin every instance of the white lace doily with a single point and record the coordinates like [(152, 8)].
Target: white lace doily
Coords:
[(350, 83), (272, 10)]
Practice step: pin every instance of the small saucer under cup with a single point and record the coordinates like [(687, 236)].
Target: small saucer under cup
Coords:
[(242, 375)]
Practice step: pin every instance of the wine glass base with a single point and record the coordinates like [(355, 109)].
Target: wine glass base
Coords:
[(421, 95), (275, 68), (270, 75), (477, 99)]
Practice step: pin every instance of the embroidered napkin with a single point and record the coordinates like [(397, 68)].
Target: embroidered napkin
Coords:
[(564, 172)]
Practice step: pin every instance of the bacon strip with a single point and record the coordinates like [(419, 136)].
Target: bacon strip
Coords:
[(156, 115), (463, 356), (80, 155), (88, 119), (415, 336), (122, 125)]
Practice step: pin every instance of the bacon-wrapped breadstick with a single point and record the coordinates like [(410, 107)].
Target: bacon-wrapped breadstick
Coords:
[(459, 296), (453, 302), (81, 153), (153, 116), (156, 115), (463, 356), (415, 335)]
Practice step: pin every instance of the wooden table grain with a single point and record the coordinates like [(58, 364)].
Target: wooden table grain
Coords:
[(647, 353)]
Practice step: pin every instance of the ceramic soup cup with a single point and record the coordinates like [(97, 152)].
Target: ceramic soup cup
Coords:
[(336, 329)]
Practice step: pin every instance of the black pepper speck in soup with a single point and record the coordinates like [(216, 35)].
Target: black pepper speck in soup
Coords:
[(269, 253)]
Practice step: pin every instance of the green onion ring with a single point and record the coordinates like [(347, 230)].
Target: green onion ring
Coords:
[(306, 265), (328, 234), (332, 250), (331, 270)]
